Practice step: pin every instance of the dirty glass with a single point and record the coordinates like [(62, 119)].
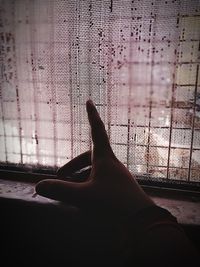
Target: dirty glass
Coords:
[(137, 60)]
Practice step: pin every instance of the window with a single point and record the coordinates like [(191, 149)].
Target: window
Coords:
[(137, 60)]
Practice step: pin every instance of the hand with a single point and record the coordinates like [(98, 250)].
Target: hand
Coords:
[(110, 188)]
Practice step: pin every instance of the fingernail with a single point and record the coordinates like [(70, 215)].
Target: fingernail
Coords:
[(90, 105), (90, 102)]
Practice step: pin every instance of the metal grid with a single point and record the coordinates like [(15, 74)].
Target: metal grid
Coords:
[(137, 60)]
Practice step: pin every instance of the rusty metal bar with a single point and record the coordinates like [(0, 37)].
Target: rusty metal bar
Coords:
[(171, 125), (193, 122)]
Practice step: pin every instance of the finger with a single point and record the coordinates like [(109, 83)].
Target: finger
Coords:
[(99, 135), (72, 193), (75, 164)]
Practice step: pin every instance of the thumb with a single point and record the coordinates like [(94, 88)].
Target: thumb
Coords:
[(70, 192)]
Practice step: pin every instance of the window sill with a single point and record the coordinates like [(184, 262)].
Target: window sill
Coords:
[(186, 208), (50, 230)]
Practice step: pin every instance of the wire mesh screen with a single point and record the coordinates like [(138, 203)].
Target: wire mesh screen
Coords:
[(137, 60)]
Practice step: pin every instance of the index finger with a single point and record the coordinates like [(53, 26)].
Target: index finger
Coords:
[(98, 131)]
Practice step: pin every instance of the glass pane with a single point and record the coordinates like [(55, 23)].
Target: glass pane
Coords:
[(139, 63)]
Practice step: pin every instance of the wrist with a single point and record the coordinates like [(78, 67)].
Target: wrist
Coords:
[(134, 227)]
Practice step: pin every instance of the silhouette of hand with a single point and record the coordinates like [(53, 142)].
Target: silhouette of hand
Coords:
[(109, 188)]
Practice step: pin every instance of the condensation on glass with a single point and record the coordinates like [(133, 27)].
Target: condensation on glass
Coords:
[(137, 60)]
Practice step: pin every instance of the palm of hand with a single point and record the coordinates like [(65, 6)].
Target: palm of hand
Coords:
[(109, 188)]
